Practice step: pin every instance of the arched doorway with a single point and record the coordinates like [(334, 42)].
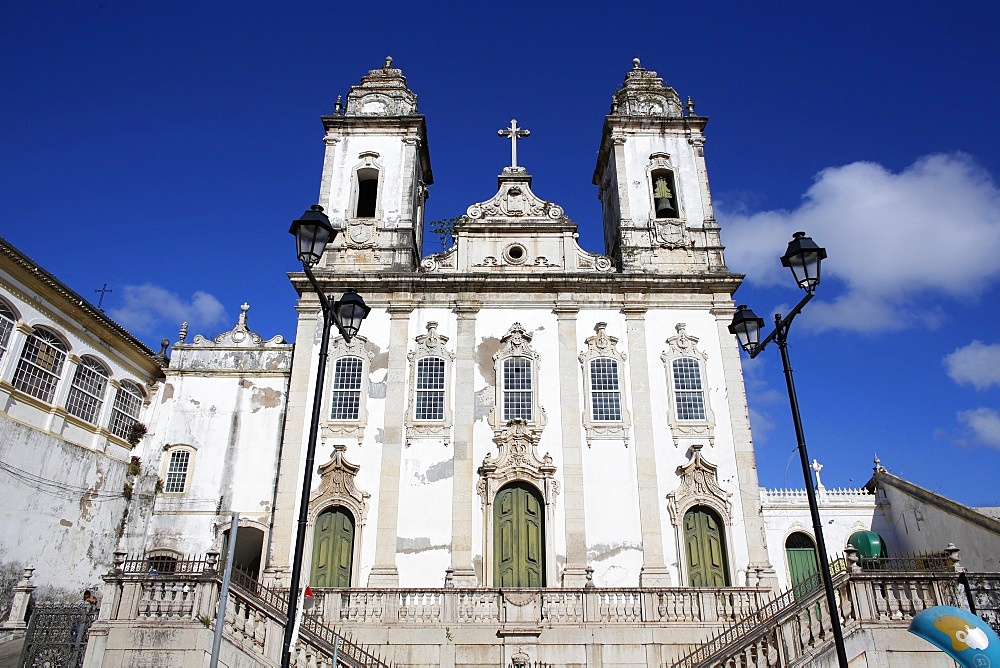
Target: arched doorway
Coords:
[(249, 547), (518, 537), (803, 566), (705, 545), (333, 548)]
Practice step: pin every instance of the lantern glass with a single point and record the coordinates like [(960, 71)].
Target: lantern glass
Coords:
[(313, 232), (349, 311), (803, 258), (746, 326)]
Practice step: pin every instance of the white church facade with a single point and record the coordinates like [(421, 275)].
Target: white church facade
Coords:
[(531, 452)]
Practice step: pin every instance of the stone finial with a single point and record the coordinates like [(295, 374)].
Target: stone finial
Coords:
[(635, 63), (589, 570), (338, 105), (388, 62), (161, 357), (244, 307), (878, 463), (19, 607), (182, 337), (851, 554), (690, 106)]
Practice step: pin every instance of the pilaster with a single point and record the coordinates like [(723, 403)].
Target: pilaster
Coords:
[(385, 573), (654, 572), (575, 571), (464, 483)]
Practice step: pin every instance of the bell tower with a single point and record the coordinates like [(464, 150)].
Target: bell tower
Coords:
[(375, 175), (653, 184)]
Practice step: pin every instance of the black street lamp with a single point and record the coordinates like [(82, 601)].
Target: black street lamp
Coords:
[(313, 232), (803, 257)]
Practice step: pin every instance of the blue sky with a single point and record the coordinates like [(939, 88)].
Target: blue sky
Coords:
[(163, 148)]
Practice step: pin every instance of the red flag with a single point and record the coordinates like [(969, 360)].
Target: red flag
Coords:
[(308, 599)]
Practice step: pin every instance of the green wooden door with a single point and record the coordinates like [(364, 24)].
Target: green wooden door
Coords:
[(333, 549), (705, 545), (518, 547), (803, 566)]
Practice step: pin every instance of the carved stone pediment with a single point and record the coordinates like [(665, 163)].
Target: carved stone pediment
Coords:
[(699, 486), (517, 459), (338, 486), (514, 199), (238, 336)]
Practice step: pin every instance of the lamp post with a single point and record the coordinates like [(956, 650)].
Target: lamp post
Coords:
[(803, 258), (312, 233)]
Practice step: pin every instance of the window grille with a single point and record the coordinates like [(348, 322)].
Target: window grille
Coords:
[(177, 472), (41, 364), (125, 411), (517, 388), (430, 389), (605, 394), (7, 319), (346, 401), (688, 393), (87, 392)]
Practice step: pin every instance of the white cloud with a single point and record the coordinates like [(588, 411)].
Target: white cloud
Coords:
[(152, 310), (932, 228), (984, 423), (977, 364)]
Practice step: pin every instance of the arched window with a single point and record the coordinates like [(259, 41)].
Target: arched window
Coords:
[(689, 397), (87, 392), (346, 399), (178, 471), (125, 410), (430, 389), (40, 365), (367, 192), (518, 537), (7, 320), (803, 566), (705, 546), (333, 548)]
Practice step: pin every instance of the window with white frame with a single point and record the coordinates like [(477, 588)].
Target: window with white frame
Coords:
[(41, 364), (7, 320), (430, 389), (125, 410), (516, 365), (605, 392), (86, 395), (178, 467), (606, 416), (518, 389), (346, 398), (690, 412), (428, 414), (689, 396)]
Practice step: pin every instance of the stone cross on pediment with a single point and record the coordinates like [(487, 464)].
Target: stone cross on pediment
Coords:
[(817, 467), (514, 133)]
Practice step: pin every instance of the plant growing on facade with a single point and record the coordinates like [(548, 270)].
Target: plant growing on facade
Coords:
[(159, 485), (127, 491), (134, 466), (135, 433), (444, 229)]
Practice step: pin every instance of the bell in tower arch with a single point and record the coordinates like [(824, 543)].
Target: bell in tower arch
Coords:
[(663, 196)]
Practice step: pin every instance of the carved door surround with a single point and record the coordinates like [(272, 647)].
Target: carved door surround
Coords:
[(517, 461), (338, 487), (699, 486)]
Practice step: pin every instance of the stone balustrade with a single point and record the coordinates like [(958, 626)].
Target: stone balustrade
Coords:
[(545, 607), (830, 496)]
